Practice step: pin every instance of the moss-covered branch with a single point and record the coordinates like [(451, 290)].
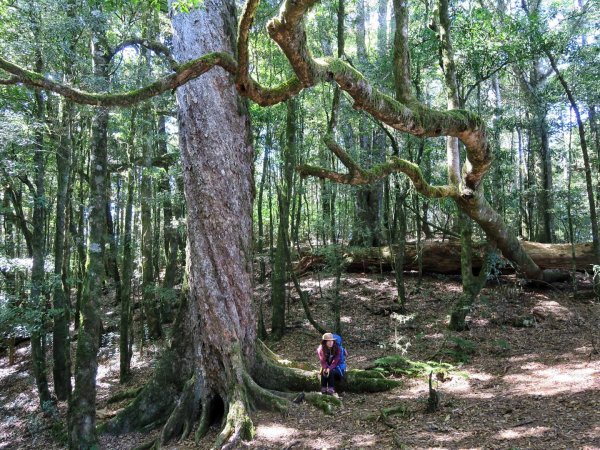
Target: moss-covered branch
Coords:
[(246, 21), (288, 30), (247, 86), (183, 74), (342, 155), (358, 176), (416, 119)]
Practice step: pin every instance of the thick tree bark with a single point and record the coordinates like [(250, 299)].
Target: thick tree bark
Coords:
[(216, 156)]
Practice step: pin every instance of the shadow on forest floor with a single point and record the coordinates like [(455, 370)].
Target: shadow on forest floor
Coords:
[(525, 374)]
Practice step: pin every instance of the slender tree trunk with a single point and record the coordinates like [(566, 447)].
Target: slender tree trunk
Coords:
[(61, 347), (125, 319), (279, 278), (61, 342), (151, 309), (169, 231), (38, 341), (113, 251), (569, 210), (81, 253), (584, 151), (259, 207), (545, 208), (82, 407), (366, 231), (401, 246), (10, 276)]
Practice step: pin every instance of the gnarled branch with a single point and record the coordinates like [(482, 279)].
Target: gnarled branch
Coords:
[(183, 74), (358, 176)]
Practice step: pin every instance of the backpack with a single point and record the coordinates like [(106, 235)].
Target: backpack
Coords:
[(343, 354)]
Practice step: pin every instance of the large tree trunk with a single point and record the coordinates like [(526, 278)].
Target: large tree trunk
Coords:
[(444, 257), (215, 343), (217, 165)]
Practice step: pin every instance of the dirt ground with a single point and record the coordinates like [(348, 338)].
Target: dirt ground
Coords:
[(525, 375)]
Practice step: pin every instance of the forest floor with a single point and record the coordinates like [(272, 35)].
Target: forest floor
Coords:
[(525, 375)]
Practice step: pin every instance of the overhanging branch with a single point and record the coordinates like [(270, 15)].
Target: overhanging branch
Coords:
[(379, 172), (289, 32), (358, 176), (183, 74)]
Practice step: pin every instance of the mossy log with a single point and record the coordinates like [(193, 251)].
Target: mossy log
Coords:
[(444, 257)]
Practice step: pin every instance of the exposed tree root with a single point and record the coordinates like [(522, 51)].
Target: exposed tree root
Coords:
[(238, 425), (181, 420), (124, 395), (325, 403), (205, 418), (264, 398), (179, 404), (155, 402)]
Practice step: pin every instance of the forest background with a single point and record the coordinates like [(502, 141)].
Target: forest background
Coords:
[(294, 180)]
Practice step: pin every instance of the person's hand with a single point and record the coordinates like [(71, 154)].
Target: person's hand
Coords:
[(326, 372)]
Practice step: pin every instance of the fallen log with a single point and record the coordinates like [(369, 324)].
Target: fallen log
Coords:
[(444, 257)]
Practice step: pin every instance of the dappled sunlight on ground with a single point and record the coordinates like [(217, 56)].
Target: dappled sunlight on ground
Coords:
[(536, 387), (311, 283), (521, 432), (364, 440), (552, 308), (454, 436), (541, 379), (464, 387), (522, 358), (275, 433)]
